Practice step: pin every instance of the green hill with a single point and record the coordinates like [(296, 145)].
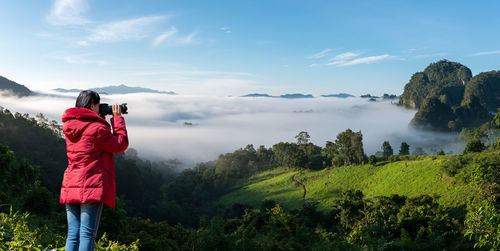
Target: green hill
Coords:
[(15, 88), (443, 79), (325, 186)]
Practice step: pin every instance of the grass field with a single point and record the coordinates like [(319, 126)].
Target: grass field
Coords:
[(326, 186)]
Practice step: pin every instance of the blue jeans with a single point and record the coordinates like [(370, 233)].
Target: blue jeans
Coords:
[(83, 221)]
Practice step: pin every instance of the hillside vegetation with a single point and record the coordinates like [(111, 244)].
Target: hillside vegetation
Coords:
[(448, 98), (408, 178), (13, 88)]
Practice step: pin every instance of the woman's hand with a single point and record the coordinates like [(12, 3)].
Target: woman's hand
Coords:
[(116, 110)]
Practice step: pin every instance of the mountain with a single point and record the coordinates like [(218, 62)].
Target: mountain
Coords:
[(15, 88), (433, 115), (369, 96), (258, 95), (296, 95), (288, 96), (67, 90), (486, 87), (117, 89), (443, 79), (448, 98), (339, 95)]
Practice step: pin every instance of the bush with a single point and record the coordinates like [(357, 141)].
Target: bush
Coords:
[(454, 164), (474, 146), (15, 234)]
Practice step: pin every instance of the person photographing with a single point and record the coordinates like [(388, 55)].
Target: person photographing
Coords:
[(89, 180)]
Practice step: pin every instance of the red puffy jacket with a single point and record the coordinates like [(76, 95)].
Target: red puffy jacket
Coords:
[(90, 176)]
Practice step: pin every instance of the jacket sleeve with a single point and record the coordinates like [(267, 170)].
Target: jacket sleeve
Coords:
[(115, 142)]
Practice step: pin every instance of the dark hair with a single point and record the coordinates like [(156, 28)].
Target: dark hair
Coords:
[(87, 98)]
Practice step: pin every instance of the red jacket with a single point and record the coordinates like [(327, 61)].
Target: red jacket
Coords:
[(90, 176)]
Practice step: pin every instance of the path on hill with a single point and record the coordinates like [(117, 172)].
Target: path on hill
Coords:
[(300, 183)]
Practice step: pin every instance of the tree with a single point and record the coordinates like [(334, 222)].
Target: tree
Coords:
[(404, 149), (441, 152), (474, 146), (418, 151), (386, 147), (372, 160), (289, 154), (302, 138), (349, 145)]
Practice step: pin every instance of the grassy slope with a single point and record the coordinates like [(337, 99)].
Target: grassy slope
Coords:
[(326, 186)]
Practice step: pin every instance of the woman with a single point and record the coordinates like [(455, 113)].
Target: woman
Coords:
[(89, 180)]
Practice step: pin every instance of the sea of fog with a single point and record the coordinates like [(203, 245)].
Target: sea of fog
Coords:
[(157, 127)]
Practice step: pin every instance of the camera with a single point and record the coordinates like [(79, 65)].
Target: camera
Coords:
[(105, 109)]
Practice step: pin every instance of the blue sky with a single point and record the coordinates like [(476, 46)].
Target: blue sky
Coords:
[(238, 47)]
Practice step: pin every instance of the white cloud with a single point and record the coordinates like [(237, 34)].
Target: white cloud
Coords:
[(129, 29), (225, 29), (320, 54), (368, 60), (162, 37), (68, 12), (348, 58), (171, 37), (345, 56), (484, 53)]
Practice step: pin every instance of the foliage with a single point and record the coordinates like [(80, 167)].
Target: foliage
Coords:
[(349, 146), (433, 115), (443, 79), (39, 142), (474, 146), (13, 87), (107, 245), (387, 149), (483, 218), (448, 99), (303, 138), (404, 149), (486, 87), (372, 160), (412, 177), (15, 234), (471, 114), (418, 151), (452, 165), (289, 154)]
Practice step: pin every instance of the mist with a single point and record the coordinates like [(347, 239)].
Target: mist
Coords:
[(199, 128)]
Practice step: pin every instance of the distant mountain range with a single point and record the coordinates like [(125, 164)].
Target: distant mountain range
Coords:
[(298, 95), (117, 89), (340, 95), (14, 88)]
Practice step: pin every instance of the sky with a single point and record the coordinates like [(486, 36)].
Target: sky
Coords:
[(229, 48)]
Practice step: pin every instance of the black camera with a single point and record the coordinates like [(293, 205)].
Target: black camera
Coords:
[(105, 109)]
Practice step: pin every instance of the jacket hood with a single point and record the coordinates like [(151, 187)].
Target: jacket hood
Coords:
[(75, 121)]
